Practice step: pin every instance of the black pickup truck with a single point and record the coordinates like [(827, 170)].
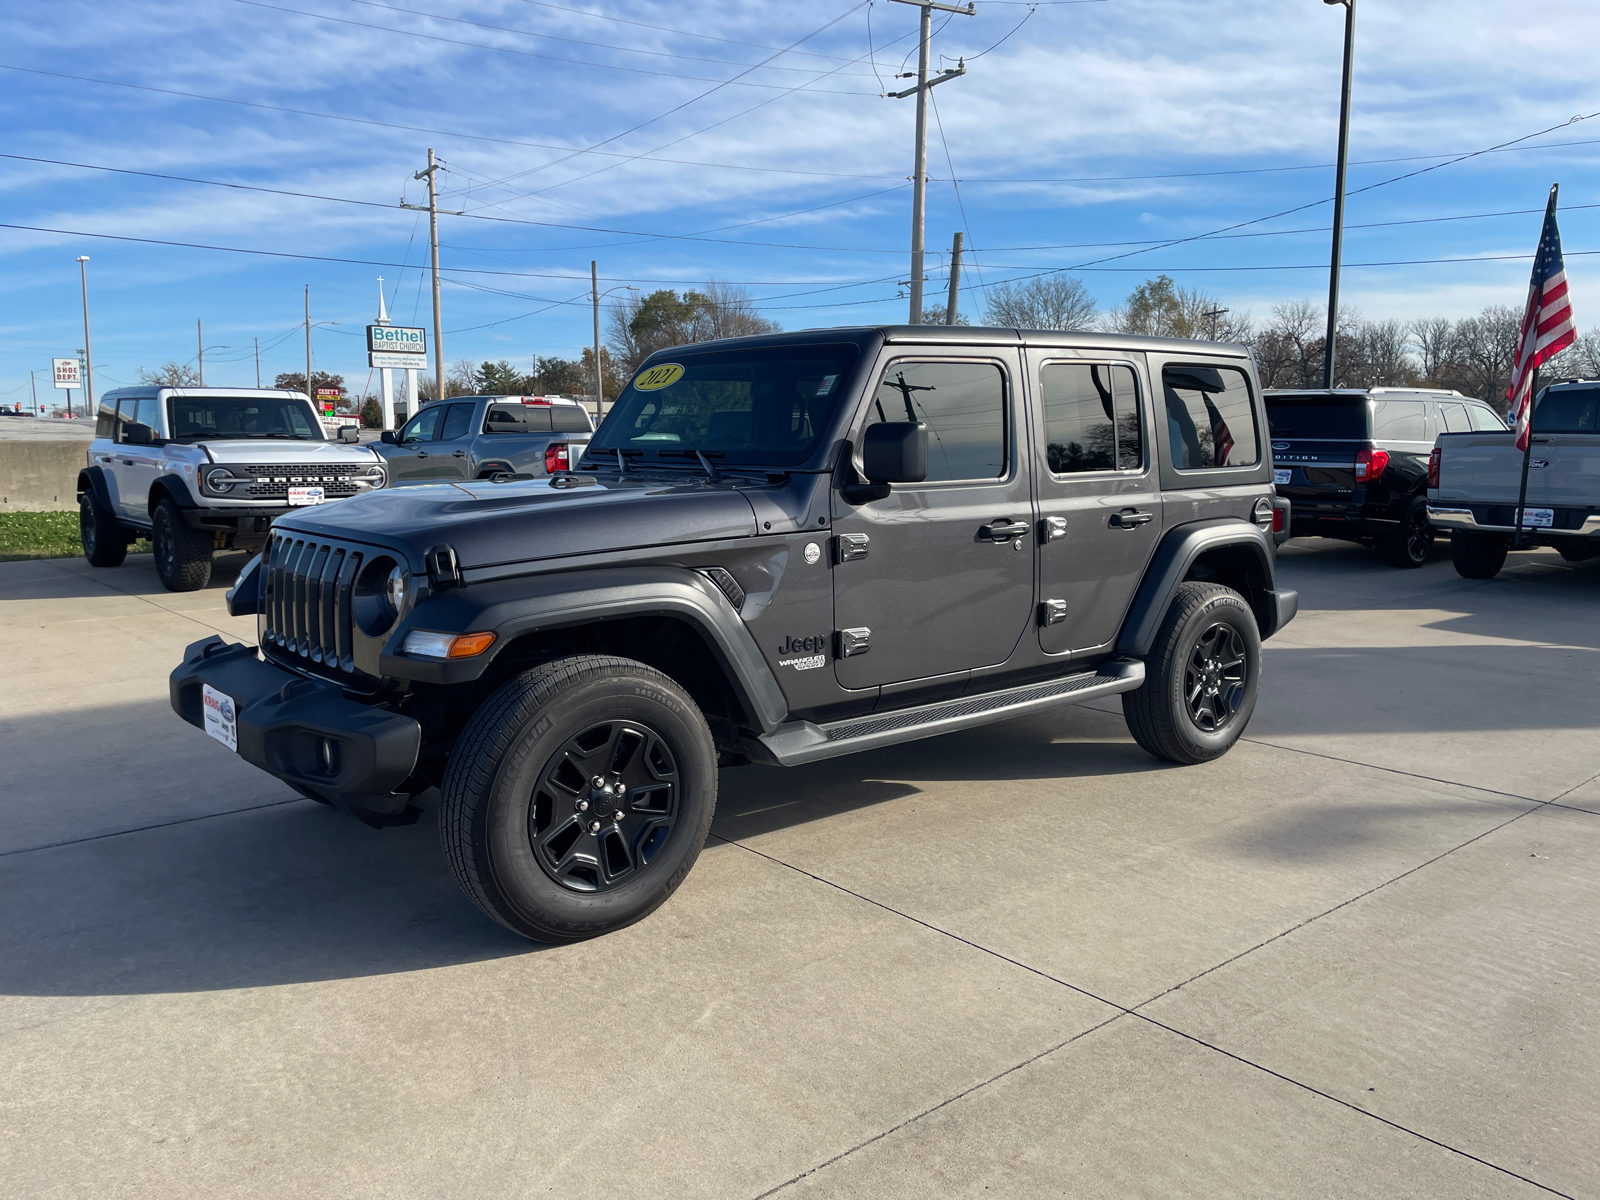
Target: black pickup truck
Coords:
[(776, 549)]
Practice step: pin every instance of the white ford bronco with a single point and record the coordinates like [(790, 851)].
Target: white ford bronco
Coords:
[(199, 470)]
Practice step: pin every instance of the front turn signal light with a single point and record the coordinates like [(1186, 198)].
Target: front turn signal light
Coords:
[(424, 644)]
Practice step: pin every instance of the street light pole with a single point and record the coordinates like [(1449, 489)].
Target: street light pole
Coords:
[(88, 355), (599, 378), (309, 396), (1338, 191), (200, 346)]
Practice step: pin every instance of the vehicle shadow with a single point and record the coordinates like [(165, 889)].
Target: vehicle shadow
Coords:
[(74, 579), (295, 892)]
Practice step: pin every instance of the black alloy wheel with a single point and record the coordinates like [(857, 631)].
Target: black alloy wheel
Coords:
[(1214, 681), (605, 805), (183, 554), (1410, 544)]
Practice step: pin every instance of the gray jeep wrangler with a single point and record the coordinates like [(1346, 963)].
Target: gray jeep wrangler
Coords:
[(774, 549)]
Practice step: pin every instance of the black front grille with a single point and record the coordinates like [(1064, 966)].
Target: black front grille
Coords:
[(306, 612), (272, 481)]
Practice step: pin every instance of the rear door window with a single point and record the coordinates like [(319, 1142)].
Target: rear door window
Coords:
[(1091, 418), (964, 407), (1210, 420), (1485, 418), (1399, 421), (1454, 417), (457, 422)]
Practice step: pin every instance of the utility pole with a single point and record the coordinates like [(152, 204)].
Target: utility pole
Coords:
[(258, 361), (599, 379), (200, 345), (1213, 314), (955, 280), (919, 178), (33, 386), (1338, 191), (432, 176), (88, 356), (309, 394)]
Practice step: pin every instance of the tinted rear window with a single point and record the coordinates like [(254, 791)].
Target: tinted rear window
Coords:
[(1317, 418), (1571, 410)]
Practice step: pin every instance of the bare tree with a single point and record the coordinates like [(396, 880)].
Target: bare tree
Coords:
[(1435, 342), (172, 374), (1581, 360), (1044, 302), (642, 324), (1383, 356), (1288, 349), (1487, 348)]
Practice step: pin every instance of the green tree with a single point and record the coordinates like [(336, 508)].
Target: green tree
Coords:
[(372, 413), (561, 377), (613, 379), (295, 381), (642, 324), (502, 379)]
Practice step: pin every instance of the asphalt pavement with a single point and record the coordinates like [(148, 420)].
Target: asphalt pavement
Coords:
[(1356, 957)]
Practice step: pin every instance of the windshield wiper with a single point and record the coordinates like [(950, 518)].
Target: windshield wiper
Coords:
[(714, 475)]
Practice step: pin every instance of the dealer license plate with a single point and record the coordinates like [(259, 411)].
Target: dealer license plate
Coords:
[(1281, 476), (221, 721), (1538, 518), (306, 495)]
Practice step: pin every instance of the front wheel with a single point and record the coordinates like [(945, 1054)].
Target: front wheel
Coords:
[(183, 555), (578, 797), (1408, 546), (1478, 555), (1201, 677)]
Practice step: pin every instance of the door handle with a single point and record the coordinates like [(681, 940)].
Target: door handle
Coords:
[(1002, 530), (458, 454), (1131, 519), (127, 462), (422, 454)]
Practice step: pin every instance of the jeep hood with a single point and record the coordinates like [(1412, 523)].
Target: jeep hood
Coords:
[(491, 523), (288, 451)]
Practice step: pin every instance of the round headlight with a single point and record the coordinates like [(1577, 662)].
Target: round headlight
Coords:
[(220, 479), (396, 589), (374, 476)]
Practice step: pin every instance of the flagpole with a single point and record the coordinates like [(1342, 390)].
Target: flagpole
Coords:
[(1527, 454)]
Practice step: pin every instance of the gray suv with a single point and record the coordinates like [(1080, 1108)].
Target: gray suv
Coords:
[(479, 437), (775, 549)]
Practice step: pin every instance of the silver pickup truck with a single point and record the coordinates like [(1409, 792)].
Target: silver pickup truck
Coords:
[(1474, 479), (479, 437)]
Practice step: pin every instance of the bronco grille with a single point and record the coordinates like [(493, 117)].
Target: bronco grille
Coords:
[(272, 481), (306, 609)]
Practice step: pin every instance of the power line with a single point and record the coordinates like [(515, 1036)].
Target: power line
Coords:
[(434, 37)]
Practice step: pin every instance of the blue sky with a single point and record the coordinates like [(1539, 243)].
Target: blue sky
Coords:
[(599, 131)]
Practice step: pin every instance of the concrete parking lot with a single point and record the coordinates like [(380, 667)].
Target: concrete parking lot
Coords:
[(1359, 956)]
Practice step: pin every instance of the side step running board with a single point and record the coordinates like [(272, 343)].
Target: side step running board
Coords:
[(802, 742)]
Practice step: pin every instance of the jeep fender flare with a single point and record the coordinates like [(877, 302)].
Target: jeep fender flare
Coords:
[(92, 481), (1176, 556), (526, 604)]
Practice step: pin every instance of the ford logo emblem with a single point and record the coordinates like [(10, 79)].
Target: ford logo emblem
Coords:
[(1539, 462), (1280, 445)]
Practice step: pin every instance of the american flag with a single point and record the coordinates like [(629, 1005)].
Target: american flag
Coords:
[(1547, 326)]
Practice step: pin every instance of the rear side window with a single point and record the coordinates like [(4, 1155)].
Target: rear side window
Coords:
[(1399, 421), (1317, 418), (1091, 418), (517, 418), (570, 418), (1485, 418), (457, 422), (964, 407), (1210, 421), (1454, 418), (1571, 410)]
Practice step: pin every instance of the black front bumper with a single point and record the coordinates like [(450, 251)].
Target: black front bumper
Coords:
[(304, 731)]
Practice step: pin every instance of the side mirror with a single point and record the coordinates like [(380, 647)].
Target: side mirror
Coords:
[(388, 438), (895, 452), (349, 434), (135, 434)]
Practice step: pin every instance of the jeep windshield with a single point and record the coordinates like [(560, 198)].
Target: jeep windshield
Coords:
[(226, 418), (766, 407)]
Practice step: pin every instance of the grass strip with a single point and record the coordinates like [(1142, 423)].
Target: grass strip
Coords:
[(25, 535)]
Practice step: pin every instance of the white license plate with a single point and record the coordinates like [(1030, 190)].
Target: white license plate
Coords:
[(306, 495), (1281, 476), (221, 721), (1538, 518)]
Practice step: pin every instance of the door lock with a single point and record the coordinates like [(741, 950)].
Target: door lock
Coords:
[(851, 546)]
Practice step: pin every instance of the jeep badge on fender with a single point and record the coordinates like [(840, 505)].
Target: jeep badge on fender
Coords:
[(608, 637)]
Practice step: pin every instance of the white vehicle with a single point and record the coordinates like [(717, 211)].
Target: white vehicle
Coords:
[(197, 470)]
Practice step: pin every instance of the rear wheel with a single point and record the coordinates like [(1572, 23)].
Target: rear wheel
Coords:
[(1201, 677), (1576, 551), (183, 555), (1409, 545), (1478, 555), (578, 797), (104, 543)]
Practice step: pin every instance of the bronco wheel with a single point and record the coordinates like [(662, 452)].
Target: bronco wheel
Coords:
[(103, 542), (578, 797), (1201, 676), (1409, 545), (1478, 555), (183, 555)]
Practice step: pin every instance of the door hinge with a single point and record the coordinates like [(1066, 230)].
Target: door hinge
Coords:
[(1052, 612), (854, 641), (1052, 528), (851, 546)]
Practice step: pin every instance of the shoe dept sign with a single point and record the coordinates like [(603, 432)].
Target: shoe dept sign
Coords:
[(397, 346)]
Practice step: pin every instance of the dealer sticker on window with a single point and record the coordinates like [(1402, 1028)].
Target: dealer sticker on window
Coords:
[(220, 720), (1282, 476), (306, 495)]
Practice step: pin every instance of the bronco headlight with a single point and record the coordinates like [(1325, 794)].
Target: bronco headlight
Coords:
[(373, 477), (221, 480)]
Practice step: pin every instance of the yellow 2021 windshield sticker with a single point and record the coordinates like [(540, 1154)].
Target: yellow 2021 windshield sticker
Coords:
[(657, 377)]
